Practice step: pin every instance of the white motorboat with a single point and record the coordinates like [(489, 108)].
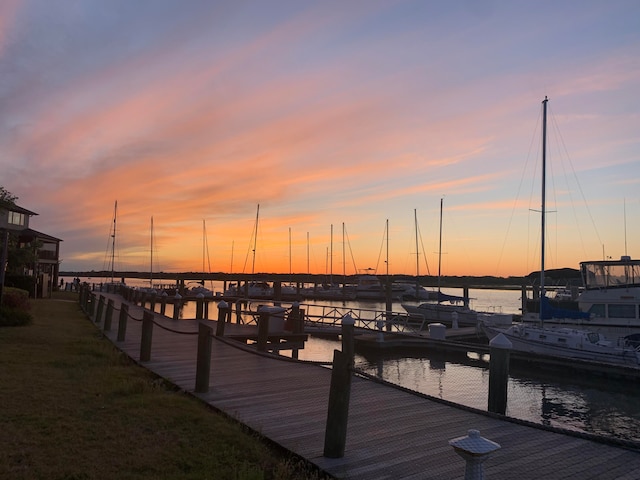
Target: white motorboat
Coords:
[(610, 301)]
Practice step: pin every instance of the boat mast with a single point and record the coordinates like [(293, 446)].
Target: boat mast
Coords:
[(151, 262), (113, 240), (543, 206), (440, 252), (255, 241), (387, 260), (415, 221)]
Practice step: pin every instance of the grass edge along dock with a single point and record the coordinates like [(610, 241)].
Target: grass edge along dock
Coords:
[(75, 407)]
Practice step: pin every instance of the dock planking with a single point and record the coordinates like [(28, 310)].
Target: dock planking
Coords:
[(391, 434)]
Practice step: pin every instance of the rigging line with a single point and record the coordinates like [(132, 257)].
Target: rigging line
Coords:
[(424, 253), (575, 176), (380, 252), (515, 202), (350, 251)]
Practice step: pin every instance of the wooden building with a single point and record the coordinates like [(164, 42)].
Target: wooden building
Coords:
[(14, 220)]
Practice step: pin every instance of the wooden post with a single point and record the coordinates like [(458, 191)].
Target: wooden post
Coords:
[(163, 303), (500, 350), (177, 304), (199, 306), (223, 308), (92, 304), (152, 300), (335, 435), (263, 329), (100, 308), (107, 317), (339, 396), (238, 312), (147, 334), (203, 362), (206, 310), (348, 328), (122, 321), (523, 297)]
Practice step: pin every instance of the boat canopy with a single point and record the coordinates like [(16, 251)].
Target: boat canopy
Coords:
[(611, 273), (548, 311)]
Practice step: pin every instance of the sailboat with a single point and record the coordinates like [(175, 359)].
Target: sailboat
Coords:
[(449, 309), (566, 342), (251, 289), (112, 251), (415, 291)]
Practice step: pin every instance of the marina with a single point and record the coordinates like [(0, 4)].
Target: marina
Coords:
[(282, 400), (586, 400)]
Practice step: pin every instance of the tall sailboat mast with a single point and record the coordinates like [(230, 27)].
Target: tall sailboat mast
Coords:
[(113, 240), (255, 241), (544, 200), (415, 222), (151, 262), (440, 251)]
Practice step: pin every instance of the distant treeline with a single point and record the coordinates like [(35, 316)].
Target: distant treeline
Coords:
[(560, 277)]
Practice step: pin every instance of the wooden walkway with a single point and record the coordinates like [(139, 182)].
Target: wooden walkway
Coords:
[(392, 434)]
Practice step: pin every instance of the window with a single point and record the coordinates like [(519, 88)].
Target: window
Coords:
[(622, 311), (16, 218), (597, 310)]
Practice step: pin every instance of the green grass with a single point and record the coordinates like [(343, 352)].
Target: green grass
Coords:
[(73, 407)]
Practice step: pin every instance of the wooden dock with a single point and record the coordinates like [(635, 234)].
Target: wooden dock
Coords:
[(392, 433)]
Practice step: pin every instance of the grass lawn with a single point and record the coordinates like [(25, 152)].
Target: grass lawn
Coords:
[(73, 407)]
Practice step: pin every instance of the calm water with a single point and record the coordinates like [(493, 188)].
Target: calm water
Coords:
[(578, 402)]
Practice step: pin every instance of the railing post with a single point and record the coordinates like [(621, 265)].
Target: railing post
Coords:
[(474, 449), (163, 303), (107, 316), (499, 351), (92, 304), (223, 308), (122, 321), (147, 334), (152, 300), (263, 329), (335, 436), (177, 305), (100, 308), (199, 306), (203, 363)]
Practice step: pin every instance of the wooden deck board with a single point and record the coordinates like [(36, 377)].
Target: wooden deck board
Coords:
[(391, 434)]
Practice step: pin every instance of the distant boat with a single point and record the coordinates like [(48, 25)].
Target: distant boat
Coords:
[(370, 287), (450, 309), (256, 290)]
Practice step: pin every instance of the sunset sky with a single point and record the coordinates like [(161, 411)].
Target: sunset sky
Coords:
[(330, 115)]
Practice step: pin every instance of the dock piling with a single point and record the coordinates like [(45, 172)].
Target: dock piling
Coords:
[(500, 351), (223, 308), (203, 362), (146, 336), (335, 436)]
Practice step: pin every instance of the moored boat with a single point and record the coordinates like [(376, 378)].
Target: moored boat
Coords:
[(567, 343)]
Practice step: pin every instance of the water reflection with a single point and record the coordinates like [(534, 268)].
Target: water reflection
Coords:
[(576, 402)]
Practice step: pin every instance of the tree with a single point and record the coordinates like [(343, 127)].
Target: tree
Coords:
[(7, 196)]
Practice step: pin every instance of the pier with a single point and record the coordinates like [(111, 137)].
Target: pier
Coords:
[(391, 433)]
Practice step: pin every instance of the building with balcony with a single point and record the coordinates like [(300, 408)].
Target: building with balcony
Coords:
[(14, 221)]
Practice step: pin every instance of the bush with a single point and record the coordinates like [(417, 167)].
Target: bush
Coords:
[(13, 317), (14, 310), (16, 298)]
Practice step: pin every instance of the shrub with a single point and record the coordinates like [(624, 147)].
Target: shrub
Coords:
[(16, 298), (13, 317), (14, 310)]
